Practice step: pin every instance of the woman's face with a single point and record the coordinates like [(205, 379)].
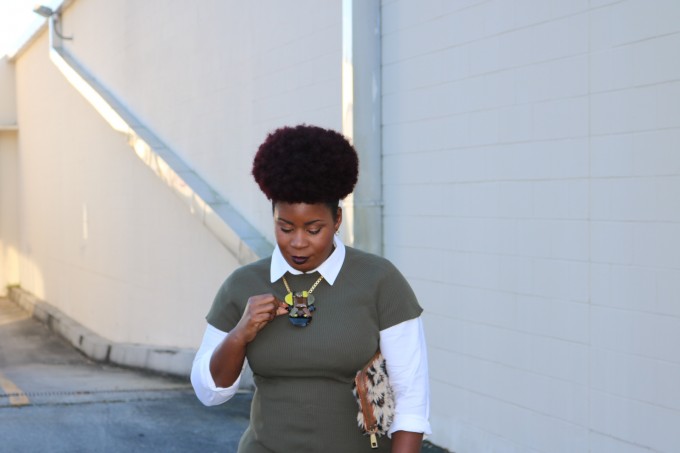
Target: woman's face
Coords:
[(304, 233)]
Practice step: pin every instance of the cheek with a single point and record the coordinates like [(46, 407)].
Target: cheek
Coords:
[(280, 239), (324, 242)]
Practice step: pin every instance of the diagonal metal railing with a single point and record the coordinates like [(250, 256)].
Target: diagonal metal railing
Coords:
[(239, 237)]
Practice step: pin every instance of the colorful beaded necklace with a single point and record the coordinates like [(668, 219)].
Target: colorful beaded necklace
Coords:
[(300, 304)]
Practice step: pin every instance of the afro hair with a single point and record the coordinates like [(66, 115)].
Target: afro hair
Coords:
[(306, 164)]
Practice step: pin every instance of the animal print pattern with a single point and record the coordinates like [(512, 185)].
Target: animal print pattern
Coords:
[(379, 393)]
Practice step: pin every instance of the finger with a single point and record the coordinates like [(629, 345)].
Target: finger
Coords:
[(261, 299), (263, 306), (272, 312), (281, 307), (267, 315)]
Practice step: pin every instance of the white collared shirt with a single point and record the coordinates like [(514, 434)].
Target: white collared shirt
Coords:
[(329, 268), (403, 347)]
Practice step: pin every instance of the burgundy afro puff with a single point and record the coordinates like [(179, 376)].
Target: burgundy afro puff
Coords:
[(306, 164)]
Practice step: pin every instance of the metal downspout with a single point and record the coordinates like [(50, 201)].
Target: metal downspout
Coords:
[(362, 120)]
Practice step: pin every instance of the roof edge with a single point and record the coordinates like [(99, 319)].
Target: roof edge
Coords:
[(19, 51)]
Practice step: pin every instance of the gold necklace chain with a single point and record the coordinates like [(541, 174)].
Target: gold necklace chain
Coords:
[(309, 291)]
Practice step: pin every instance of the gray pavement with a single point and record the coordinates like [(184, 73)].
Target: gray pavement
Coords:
[(53, 399)]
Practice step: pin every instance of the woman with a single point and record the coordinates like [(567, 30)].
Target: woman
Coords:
[(358, 302)]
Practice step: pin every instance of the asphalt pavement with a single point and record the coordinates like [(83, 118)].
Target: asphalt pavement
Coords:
[(53, 399)]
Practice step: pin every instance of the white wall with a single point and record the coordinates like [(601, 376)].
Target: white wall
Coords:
[(9, 209), (102, 238), (532, 184), (212, 78), (8, 104)]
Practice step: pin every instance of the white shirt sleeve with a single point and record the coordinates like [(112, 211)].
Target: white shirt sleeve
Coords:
[(201, 379), (405, 352)]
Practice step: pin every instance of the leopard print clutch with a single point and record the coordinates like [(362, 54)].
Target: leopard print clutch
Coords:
[(375, 398)]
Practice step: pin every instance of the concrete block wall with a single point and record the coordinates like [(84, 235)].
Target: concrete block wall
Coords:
[(531, 184)]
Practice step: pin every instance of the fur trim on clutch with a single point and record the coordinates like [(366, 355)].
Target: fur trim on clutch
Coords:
[(375, 398)]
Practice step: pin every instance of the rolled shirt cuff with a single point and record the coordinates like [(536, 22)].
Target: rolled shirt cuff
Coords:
[(411, 423), (204, 385)]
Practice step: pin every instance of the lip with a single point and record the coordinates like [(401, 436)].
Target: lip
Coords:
[(299, 260)]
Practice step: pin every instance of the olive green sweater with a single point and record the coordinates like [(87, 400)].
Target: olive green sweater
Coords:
[(303, 375)]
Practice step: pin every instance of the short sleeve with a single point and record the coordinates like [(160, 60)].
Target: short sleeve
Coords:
[(231, 298), (396, 300), (224, 313)]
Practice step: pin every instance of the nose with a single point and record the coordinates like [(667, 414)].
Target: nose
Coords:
[(298, 241)]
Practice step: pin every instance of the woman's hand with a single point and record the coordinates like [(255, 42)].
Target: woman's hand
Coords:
[(227, 359), (260, 311)]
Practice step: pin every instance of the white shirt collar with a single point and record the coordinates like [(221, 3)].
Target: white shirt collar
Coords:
[(329, 268)]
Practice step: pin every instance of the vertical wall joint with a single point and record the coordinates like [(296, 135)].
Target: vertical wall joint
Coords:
[(362, 119)]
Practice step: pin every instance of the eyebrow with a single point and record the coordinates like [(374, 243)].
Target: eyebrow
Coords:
[(281, 219)]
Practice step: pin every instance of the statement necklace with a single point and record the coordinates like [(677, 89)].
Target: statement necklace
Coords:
[(300, 304)]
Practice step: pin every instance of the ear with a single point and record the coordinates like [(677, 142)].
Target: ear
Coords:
[(338, 222)]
